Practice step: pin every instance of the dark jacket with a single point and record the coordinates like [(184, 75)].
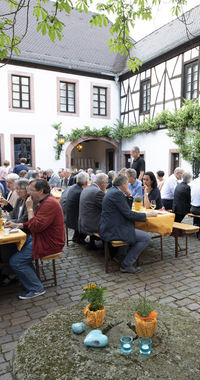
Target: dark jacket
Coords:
[(69, 181), (72, 206), (90, 209), (117, 218), (13, 215), (182, 199)]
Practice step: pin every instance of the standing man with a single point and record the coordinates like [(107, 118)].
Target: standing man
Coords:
[(134, 185), (167, 192), (138, 163), (48, 236), (91, 175)]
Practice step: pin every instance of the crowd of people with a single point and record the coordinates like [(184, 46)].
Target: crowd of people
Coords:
[(104, 207)]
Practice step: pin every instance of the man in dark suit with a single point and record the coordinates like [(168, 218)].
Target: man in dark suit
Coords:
[(69, 179), (72, 205), (90, 208), (117, 222), (182, 198)]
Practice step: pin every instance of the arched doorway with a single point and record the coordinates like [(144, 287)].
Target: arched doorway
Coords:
[(97, 153)]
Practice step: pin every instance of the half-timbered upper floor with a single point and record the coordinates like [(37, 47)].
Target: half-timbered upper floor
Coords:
[(170, 70)]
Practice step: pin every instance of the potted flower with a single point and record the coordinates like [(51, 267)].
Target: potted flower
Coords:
[(145, 316), (138, 202), (95, 311)]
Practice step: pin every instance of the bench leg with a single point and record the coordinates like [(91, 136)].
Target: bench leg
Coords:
[(54, 272), (106, 249), (37, 268), (176, 242), (186, 245), (161, 247)]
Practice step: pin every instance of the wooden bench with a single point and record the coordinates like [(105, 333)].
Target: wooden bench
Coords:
[(47, 258), (120, 243), (188, 229), (108, 260)]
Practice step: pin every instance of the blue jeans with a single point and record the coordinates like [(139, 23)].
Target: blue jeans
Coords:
[(22, 263), (142, 240)]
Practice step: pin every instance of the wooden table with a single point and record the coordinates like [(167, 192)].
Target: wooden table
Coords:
[(162, 224), (57, 195), (15, 237)]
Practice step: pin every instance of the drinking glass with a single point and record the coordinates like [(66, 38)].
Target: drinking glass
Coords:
[(153, 204)]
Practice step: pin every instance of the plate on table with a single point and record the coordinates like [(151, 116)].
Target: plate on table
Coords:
[(14, 230)]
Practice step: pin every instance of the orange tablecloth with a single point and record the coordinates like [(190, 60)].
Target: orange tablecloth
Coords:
[(57, 195), (15, 237), (162, 224)]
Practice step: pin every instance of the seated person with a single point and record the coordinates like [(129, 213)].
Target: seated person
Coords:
[(48, 236), (195, 200), (9, 203), (151, 191), (117, 222), (18, 214), (90, 208), (167, 192), (160, 179), (134, 185), (182, 198), (72, 205), (111, 175)]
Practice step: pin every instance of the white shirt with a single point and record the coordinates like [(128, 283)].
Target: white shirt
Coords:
[(169, 186), (195, 192)]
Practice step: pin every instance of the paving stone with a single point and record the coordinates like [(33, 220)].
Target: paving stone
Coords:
[(4, 324), (8, 355), (193, 306), (20, 320), (8, 346), (184, 302), (30, 323), (2, 360), (5, 339)]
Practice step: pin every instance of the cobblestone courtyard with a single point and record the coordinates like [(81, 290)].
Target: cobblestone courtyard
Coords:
[(176, 281)]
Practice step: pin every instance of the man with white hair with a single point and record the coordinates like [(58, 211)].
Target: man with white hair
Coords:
[(90, 208), (69, 179), (72, 205), (91, 174), (167, 192), (134, 185), (54, 178)]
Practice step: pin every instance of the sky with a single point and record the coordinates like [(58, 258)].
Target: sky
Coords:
[(161, 16)]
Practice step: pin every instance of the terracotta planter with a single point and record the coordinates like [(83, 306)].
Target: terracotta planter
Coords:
[(138, 205), (146, 326), (1, 223), (94, 318)]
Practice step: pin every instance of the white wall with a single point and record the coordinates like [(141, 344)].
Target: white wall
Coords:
[(156, 146), (39, 121)]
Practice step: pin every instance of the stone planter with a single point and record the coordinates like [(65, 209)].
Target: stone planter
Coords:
[(145, 326), (94, 318)]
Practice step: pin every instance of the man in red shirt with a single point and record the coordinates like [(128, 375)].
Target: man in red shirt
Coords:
[(48, 236)]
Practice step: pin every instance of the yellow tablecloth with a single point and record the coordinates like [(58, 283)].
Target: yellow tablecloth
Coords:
[(15, 237), (162, 224), (57, 195)]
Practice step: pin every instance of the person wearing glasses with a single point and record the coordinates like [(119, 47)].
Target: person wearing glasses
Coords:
[(167, 192), (18, 214)]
